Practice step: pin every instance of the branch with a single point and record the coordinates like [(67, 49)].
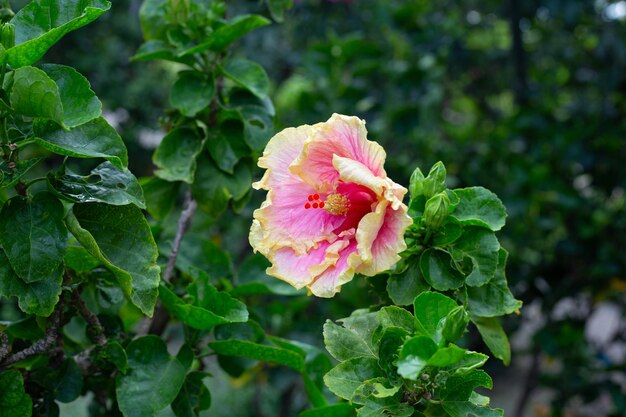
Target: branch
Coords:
[(42, 345), (94, 327), (183, 224), (4, 346)]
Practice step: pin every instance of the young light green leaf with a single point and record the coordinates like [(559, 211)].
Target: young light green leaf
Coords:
[(192, 92), (405, 286), (344, 379), (494, 337), (37, 298), (176, 155), (35, 94), (447, 356), (33, 235), (153, 381), (495, 298), (249, 75), (481, 247), (344, 344), (436, 267), (14, 402), (80, 103), (105, 184), (414, 356), (251, 350), (228, 33), (41, 24), (94, 139), (120, 237), (431, 309), (480, 207)]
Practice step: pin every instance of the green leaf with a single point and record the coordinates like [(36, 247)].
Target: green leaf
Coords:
[(455, 325), (374, 388), (335, 410), (405, 286), (78, 259), (459, 386), (176, 155), (160, 196), (414, 356), (398, 317), (470, 361), (94, 139), (105, 184), (37, 298), (436, 267), (10, 177), (249, 75), (154, 49), (33, 235), (258, 126), (153, 381), (481, 247), (228, 33), (465, 408), (385, 407), (113, 353), (494, 337), (80, 103), (42, 23), (364, 325), (447, 356), (200, 254), (35, 94), (259, 352), (344, 344), (431, 309), (480, 207), (448, 233), (388, 349), (14, 402), (226, 146), (153, 16), (344, 379), (212, 309), (213, 188), (67, 381), (194, 396), (120, 238), (192, 92), (495, 298), (278, 8)]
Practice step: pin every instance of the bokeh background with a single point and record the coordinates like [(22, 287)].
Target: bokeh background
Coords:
[(526, 98)]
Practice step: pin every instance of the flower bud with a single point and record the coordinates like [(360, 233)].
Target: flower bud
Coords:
[(436, 180), (7, 35), (456, 322), (416, 184), (436, 210)]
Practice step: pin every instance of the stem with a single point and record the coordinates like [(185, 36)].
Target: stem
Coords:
[(44, 344), (4, 346), (94, 327), (183, 224), (23, 143)]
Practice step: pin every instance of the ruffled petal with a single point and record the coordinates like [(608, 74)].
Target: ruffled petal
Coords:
[(343, 136), (388, 242), (329, 282)]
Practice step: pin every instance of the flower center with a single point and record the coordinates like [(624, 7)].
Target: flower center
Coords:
[(336, 204)]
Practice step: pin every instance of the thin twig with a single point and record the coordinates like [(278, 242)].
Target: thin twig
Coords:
[(183, 224), (4, 346), (44, 344), (94, 327)]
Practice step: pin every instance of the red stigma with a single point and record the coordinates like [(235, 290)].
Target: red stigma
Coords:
[(316, 196), (322, 204), (307, 206), (315, 205), (310, 197)]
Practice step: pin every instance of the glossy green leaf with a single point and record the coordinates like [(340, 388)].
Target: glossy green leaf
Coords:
[(431, 309), (414, 356), (67, 381), (80, 103), (494, 337), (344, 344), (258, 126), (37, 298), (200, 254), (335, 410), (105, 184), (448, 233), (465, 408), (192, 92), (41, 24), (14, 402), (344, 379), (493, 299), (213, 188), (160, 196), (78, 259), (405, 286), (120, 238), (259, 352), (176, 155), (153, 381), (437, 270), (385, 407), (398, 317), (249, 75), (447, 356), (480, 247), (480, 207), (94, 139), (194, 396), (33, 235), (455, 325), (227, 146), (228, 33), (376, 388), (10, 177), (364, 324), (35, 94), (115, 354), (389, 346)]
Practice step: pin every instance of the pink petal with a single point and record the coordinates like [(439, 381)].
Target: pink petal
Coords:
[(328, 283), (343, 136)]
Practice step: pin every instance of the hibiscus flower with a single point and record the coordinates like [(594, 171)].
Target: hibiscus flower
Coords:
[(331, 212)]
